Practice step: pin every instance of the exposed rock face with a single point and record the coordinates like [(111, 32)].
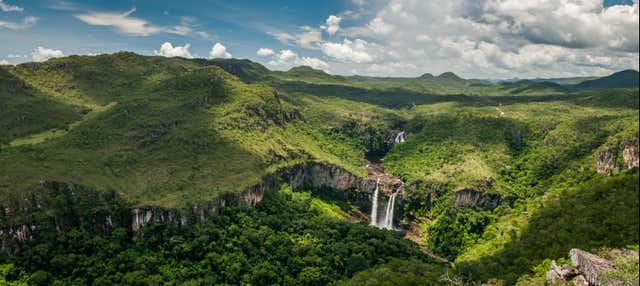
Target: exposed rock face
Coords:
[(470, 198), (564, 273), (587, 270), (141, 217), (606, 161), (630, 154), (323, 176), (590, 265), (580, 281), (388, 184), (60, 206)]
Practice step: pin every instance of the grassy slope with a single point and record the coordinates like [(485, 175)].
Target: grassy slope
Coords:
[(526, 141), (26, 111), (176, 132), (182, 131)]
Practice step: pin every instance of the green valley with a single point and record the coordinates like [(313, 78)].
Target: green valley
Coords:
[(123, 169)]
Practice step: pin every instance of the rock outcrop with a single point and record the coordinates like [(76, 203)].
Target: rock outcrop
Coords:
[(388, 184), (61, 206), (630, 154), (606, 161), (590, 265), (588, 270), (473, 198), (557, 274)]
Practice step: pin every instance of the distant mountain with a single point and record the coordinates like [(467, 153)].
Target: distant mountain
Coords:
[(623, 79), (450, 76), (244, 69), (525, 85), (307, 74), (566, 80)]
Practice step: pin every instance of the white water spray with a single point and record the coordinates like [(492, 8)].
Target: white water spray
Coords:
[(388, 218), (374, 205), (400, 137)]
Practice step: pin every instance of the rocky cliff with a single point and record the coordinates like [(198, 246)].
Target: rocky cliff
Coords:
[(473, 198), (630, 154), (61, 206), (607, 159), (588, 269)]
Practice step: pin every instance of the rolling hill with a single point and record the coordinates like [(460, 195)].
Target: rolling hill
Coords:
[(622, 79), (223, 171)]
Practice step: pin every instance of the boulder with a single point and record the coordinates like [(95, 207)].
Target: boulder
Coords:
[(580, 281), (558, 274)]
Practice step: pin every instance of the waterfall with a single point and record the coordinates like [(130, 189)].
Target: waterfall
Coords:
[(374, 205), (388, 219), (387, 222), (400, 137)]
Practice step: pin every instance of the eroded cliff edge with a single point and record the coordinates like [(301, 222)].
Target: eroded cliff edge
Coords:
[(61, 206)]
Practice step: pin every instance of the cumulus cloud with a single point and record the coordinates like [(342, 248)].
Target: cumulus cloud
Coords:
[(286, 59), (9, 8), (168, 50), (378, 26), (307, 38), (332, 24), (4, 62), (41, 54), (491, 38), (573, 24), (264, 52), (27, 22), (129, 25), (357, 51), (311, 62), (219, 51)]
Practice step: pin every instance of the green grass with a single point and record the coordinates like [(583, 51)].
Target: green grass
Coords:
[(54, 133), (177, 132)]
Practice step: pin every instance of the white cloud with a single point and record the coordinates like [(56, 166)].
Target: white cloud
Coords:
[(286, 59), (264, 52), (168, 50), (27, 22), (332, 24), (16, 56), (219, 51), (9, 8), (126, 24), (378, 26), (286, 55), (312, 62), (62, 5), (179, 30), (203, 35), (573, 24), (4, 62), (490, 38), (349, 51), (308, 38), (388, 69), (41, 54)]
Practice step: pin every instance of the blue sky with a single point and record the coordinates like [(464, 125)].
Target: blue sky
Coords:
[(484, 38)]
